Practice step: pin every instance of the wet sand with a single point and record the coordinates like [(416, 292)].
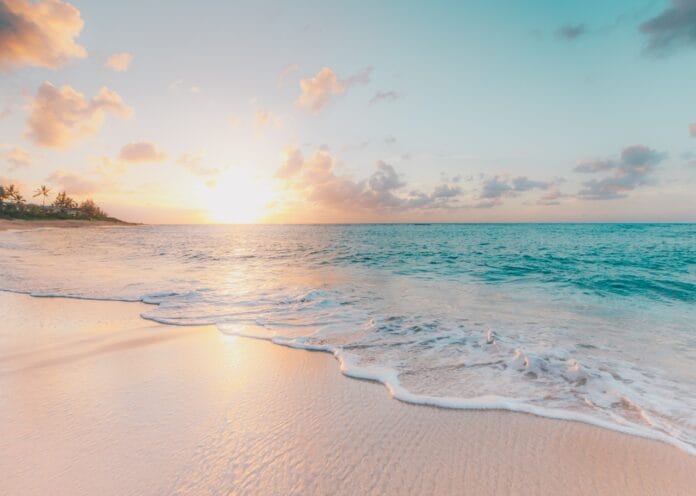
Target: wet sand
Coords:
[(95, 400)]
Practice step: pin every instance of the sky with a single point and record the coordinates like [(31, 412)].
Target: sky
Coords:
[(323, 111)]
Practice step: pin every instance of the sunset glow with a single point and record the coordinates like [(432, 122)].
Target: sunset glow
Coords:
[(426, 118), (237, 197), (329, 247)]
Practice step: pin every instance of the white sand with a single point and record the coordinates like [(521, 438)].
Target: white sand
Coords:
[(94, 400)]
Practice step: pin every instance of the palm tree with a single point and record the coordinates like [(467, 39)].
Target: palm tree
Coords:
[(43, 191), (63, 201), (11, 192)]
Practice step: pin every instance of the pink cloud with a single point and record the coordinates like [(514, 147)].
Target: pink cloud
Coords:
[(141, 152), (39, 34), (72, 183), (316, 183), (292, 163), (17, 157), (194, 164), (318, 90), (119, 62), (6, 181), (62, 116)]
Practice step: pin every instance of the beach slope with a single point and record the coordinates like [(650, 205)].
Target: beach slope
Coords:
[(95, 400)]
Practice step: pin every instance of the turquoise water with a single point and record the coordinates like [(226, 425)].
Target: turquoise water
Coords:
[(593, 322)]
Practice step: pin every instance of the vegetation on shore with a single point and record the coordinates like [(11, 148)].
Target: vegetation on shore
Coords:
[(13, 205)]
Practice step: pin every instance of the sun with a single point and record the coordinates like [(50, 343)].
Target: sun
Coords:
[(236, 197)]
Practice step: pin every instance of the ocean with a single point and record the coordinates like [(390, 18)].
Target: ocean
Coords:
[(587, 322)]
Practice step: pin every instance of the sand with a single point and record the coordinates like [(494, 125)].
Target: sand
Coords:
[(6, 224), (95, 400)]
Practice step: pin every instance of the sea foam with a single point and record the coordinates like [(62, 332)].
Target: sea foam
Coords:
[(591, 323)]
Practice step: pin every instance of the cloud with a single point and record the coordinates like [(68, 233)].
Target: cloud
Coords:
[(119, 62), (194, 164), (673, 27), (72, 183), (39, 34), (495, 189), (384, 96), (551, 197), (4, 113), (6, 181), (521, 184), (632, 169), (141, 152), (385, 178), (318, 91), (571, 32), (62, 116), (315, 180), (588, 166), (446, 191), (692, 130), (17, 157), (292, 163), (360, 77)]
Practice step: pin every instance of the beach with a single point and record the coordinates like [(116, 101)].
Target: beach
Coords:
[(96, 400), (453, 254), (6, 224)]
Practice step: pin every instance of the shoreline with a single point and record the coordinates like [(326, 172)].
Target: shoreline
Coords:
[(213, 412), (22, 224), (390, 381)]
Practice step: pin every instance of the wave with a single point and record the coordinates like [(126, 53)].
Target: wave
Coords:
[(349, 365), (584, 323)]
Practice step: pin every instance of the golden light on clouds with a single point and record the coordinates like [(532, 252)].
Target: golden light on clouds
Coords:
[(39, 34), (317, 91), (17, 157), (119, 62), (72, 182), (62, 116), (141, 152), (225, 103)]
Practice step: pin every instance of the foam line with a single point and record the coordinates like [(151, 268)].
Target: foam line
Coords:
[(388, 377)]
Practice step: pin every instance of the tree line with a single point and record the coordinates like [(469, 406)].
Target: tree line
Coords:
[(14, 205)]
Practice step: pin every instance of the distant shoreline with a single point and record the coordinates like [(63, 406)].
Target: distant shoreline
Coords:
[(6, 224)]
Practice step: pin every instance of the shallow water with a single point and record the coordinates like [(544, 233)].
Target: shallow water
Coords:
[(594, 322)]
